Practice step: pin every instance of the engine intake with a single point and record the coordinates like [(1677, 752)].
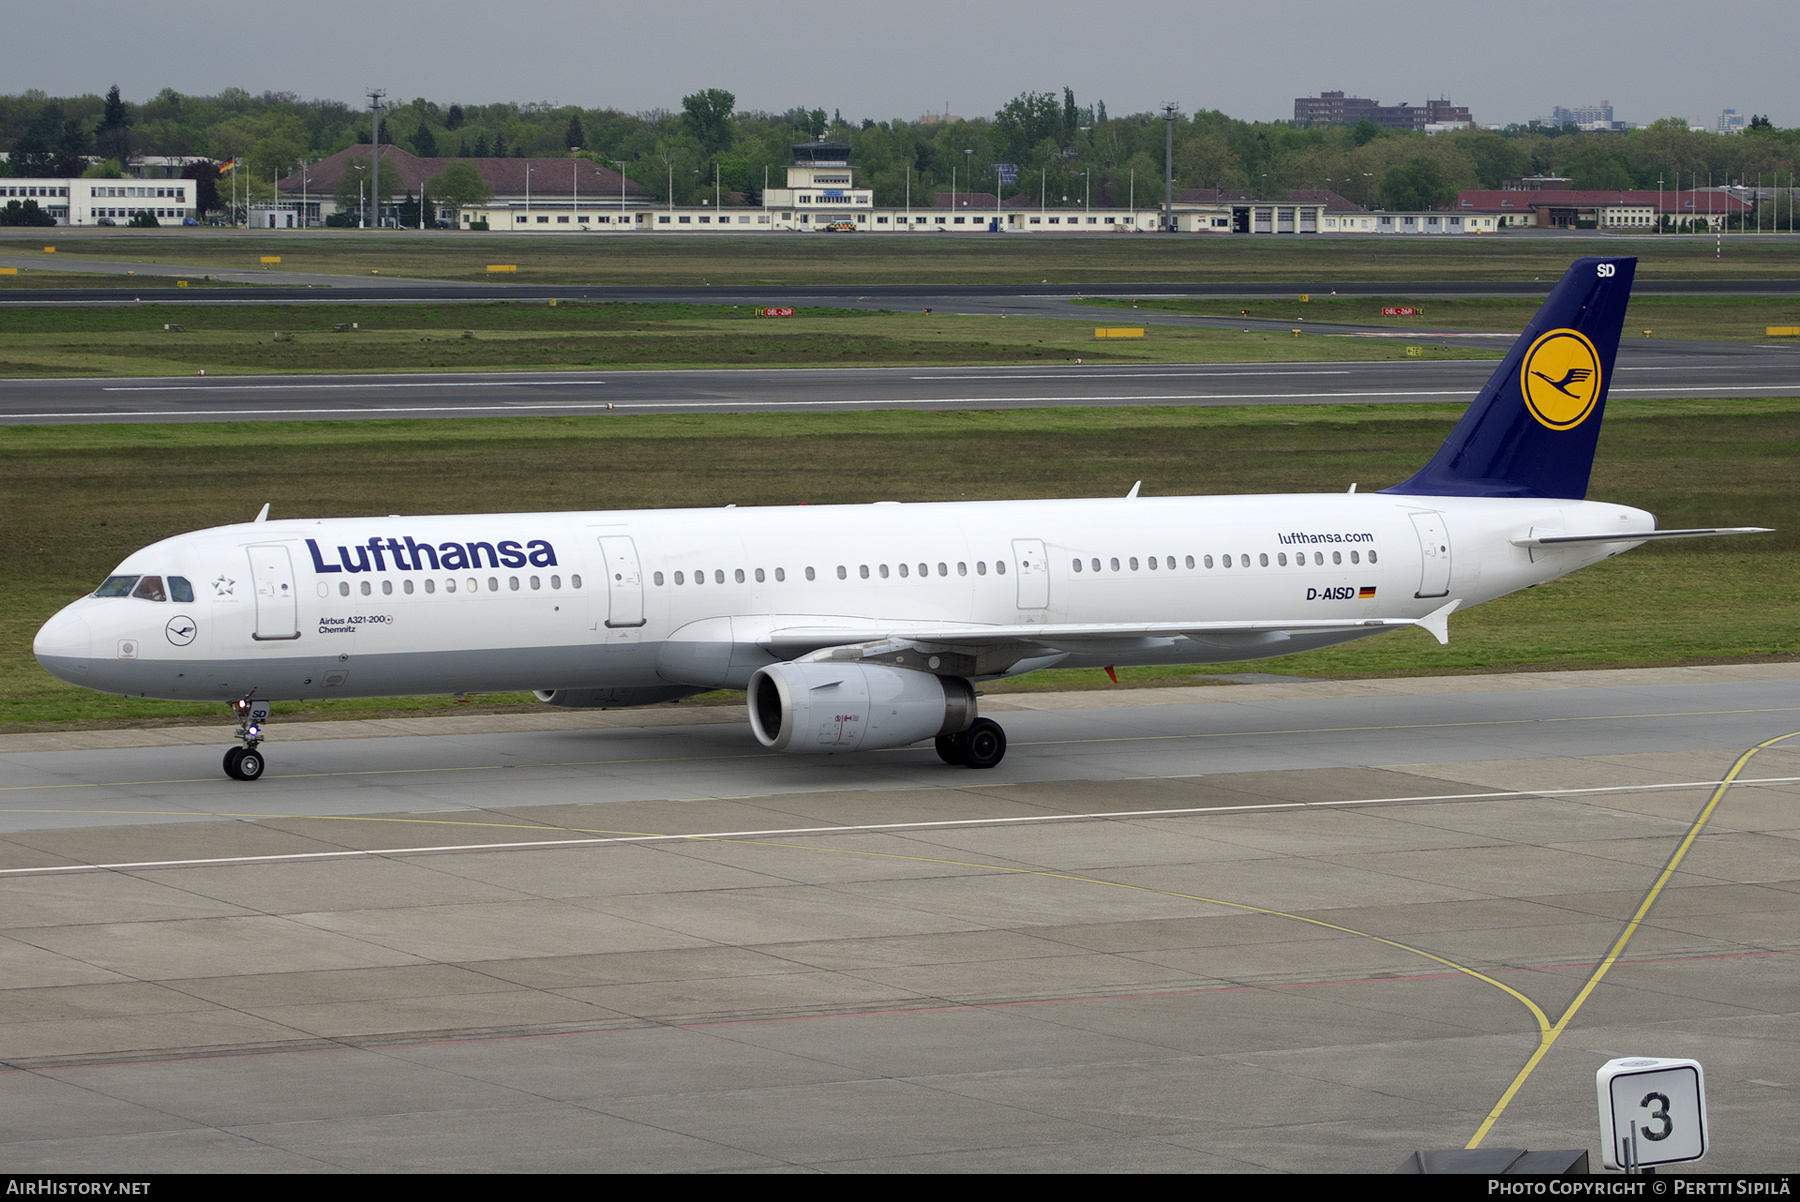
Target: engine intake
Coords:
[(822, 707)]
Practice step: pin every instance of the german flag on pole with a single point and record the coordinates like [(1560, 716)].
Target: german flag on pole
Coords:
[(227, 166)]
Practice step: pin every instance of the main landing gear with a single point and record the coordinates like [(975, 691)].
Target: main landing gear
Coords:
[(246, 762), (983, 745)]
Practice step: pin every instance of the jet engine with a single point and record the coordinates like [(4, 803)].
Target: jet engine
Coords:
[(823, 707)]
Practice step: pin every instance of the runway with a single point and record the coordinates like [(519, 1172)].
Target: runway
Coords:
[(1645, 369), (1268, 927)]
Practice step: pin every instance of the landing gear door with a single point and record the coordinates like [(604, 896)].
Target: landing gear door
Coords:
[(1434, 551), (277, 606), (624, 583), (1034, 573)]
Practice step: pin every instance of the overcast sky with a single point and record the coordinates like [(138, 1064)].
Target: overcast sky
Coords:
[(1507, 62)]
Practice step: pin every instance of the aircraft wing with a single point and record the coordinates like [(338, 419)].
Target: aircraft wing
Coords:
[(1098, 637)]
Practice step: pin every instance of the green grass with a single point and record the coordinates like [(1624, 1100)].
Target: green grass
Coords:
[(927, 259), (1713, 318), (79, 498), (226, 339)]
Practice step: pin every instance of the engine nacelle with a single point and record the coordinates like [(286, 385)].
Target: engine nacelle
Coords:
[(821, 707), (614, 699)]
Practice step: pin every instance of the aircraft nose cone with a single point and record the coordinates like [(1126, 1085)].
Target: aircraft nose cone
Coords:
[(64, 646)]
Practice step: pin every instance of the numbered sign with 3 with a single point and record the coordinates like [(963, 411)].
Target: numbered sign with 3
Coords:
[(1662, 1101)]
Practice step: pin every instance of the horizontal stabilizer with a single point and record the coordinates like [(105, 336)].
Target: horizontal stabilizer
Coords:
[(1635, 536)]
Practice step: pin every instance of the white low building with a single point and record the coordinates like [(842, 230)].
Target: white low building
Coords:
[(1410, 223), (88, 201)]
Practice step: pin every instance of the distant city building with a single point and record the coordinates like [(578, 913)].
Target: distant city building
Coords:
[(1585, 114), (1731, 122), (1335, 108)]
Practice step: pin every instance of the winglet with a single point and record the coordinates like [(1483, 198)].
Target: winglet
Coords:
[(263, 516), (1438, 622)]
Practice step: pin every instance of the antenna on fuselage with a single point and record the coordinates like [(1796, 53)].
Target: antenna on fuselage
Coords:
[(1132, 495), (263, 514)]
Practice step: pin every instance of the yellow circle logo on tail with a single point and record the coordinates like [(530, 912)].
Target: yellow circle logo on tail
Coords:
[(1560, 378)]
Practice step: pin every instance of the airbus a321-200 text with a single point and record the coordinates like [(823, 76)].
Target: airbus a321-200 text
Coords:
[(859, 627)]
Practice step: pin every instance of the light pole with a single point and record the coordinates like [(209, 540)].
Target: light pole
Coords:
[(621, 166), (528, 196), (1087, 192), (969, 167), (1370, 176), (361, 205), (575, 185)]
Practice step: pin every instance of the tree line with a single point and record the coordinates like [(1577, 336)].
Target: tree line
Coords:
[(1042, 146)]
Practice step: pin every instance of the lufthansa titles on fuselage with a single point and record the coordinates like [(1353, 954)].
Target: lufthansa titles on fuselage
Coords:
[(409, 555)]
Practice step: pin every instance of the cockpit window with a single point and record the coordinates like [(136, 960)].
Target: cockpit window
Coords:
[(150, 588), (116, 586), (180, 590)]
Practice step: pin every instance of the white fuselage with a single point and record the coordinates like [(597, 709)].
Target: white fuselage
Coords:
[(691, 599)]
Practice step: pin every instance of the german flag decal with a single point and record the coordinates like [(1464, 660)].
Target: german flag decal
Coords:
[(1365, 592)]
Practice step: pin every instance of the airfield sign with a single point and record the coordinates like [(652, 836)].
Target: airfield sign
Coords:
[(1652, 1111)]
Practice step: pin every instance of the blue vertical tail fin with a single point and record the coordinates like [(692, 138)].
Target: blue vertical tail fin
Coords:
[(1531, 432)]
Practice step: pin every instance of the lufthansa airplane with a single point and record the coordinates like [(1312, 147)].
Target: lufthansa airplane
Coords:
[(868, 626)]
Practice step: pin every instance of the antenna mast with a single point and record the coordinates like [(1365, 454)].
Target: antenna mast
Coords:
[(375, 97), (1169, 167)]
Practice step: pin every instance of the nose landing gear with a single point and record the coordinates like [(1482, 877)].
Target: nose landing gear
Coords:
[(246, 762), (983, 745)]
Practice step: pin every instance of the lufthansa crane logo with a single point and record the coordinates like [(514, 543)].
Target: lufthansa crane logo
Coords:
[(1560, 378)]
